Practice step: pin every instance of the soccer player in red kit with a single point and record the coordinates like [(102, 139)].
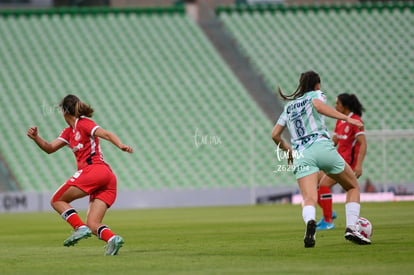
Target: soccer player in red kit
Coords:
[(94, 177), (351, 145)]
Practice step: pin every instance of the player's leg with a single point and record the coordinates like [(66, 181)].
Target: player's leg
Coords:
[(308, 187), (100, 201), (64, 196), (94, 217), (339, 171), (96, 213), (325, 202), (61, 203), (349, 182), (336, 168)]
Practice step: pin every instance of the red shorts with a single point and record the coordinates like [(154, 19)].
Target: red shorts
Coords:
[(97, 180)]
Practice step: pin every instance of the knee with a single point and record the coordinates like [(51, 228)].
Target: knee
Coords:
[(351, 185), (57, 196), (54, 201), (309, 201), (354, 188)]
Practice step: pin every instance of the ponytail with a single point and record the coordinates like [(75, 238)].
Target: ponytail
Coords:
[(83, 109), (72, 105), (351, 102), (285, 97), (307, 83)]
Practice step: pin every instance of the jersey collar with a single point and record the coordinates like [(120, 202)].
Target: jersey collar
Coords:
[(349, 115), (76, 122)]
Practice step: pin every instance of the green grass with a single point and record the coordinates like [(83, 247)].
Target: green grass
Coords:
[(213, 240)]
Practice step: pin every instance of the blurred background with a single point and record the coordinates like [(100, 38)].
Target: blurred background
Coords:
[(191, 85)]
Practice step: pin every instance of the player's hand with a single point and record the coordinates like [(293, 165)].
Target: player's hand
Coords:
[(32, 132), (126, 148), (358, 171), (290, 158), (355, 122)]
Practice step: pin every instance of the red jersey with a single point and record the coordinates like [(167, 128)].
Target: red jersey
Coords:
[(347, 134), (83, 143)]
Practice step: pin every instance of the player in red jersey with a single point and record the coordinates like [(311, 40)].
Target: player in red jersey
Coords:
[(352, 146), (94, 177)]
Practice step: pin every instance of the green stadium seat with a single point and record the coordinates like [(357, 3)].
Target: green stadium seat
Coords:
[(366, 50)]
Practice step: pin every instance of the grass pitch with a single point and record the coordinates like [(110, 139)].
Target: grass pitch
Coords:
[(213, 240)]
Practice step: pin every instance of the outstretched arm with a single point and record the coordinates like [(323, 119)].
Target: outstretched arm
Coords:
[(44, 145), (102, 133), (327, 110)]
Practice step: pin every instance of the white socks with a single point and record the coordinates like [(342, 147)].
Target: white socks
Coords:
[(309, 213), (352, 210)]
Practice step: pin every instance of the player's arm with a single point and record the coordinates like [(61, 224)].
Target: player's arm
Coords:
[(335, 139), (114, 139), (327, 110), (280, 142), (44, 145), (361, 155)]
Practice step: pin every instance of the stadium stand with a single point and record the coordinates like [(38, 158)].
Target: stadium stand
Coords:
[(153, 78), (365, 49), (7, 181)]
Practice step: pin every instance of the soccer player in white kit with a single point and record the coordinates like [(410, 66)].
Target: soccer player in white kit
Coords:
[(304, 116)]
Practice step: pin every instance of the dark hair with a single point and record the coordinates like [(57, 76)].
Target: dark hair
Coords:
[(351, 102), (72, 105), (307, 82)]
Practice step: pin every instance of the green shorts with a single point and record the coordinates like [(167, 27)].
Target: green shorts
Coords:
[(321, 155)]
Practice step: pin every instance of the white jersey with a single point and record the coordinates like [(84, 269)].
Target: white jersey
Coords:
[(304, 123)]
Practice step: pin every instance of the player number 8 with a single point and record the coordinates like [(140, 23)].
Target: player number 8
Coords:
[(299, 127)]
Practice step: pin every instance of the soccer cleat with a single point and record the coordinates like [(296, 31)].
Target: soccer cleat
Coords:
[(321, 221), (81, 232), (113, 246), (325, 226), (309, 239), (356, 237)]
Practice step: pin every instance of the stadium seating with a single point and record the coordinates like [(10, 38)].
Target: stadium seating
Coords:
[(153, 78), (363, 49)]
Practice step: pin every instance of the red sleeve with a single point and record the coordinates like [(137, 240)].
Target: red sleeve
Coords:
[(88, 126), (65, 135)]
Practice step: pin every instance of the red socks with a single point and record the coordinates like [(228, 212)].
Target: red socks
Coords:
[(72, 217), (325, 202), (104, 233)]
